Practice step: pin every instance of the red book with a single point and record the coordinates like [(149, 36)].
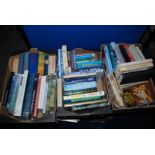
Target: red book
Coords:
[(37, 97), (129, 53)]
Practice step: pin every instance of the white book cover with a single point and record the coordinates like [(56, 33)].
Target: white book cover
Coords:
[(41, 94), (21, 93)]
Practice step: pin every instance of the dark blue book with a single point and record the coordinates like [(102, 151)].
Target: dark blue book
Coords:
[(28, 96), (34, 94), (46, 65), (26, 61), (21, 63), (33, 62)]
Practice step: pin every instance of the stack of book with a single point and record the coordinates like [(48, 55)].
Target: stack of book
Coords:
[(31, 90), (129, 75), (80, 79)]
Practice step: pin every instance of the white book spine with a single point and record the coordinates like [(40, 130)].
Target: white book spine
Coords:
[(59, 92), (21, 93), (140, 53), (49, 65), (45, 96), (41, 94)]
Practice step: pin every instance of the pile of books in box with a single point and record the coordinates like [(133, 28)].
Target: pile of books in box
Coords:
[(82, 79), (78, 82), (129, 76), (31, 89)]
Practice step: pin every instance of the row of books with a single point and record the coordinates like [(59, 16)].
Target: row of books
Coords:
[(35, 61), (31, 90), (129, 74)]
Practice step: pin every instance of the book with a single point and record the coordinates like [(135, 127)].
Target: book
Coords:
[(83, 97), (41, 62), (13, 94), (20, 64), (59, 93), (20, 96), (26, 61), (35, 112), (46, 65), (51, 64), (15, 63), (65, 59), (126, 47), (59, 64), (80, 86), (33, 61), (109, 64), (139, 95), (117, 52), (124, 53), (28, 96), (34, 95)]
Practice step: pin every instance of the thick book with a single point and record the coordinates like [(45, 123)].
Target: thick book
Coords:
[(140, 94), (28, 96), (21, 93), (65, 59), (59, 93), (33, 62)]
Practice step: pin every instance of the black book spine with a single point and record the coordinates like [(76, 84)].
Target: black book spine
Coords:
[(124, 53)]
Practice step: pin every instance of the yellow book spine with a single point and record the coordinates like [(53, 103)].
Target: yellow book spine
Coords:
[(41, 62)]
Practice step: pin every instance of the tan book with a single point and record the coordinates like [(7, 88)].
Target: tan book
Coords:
[(15, 64)]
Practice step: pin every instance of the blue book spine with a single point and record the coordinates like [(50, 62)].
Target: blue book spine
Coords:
[(62, 67), (46, 65), (80, 86), (72, 81), (73, 60), (59, 63), (12, 104), (21, 64), (33, 63), (85, 57), (11, 89), (26, 61), (107, 54), (117, 52), (28, 96)]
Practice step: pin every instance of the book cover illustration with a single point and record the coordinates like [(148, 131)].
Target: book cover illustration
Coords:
[(141, 94)]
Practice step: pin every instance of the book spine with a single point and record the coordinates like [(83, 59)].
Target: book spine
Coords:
[(41, 94), (59, 93), (33, 63), (140, 53), (65, 60), (15, 64), (20, 66), (11, 106), (35, 112), (46, 65), (52, 98), (124, 53), (11, 89), (126, 47), (107, 55), (34, 94), (73, 60), (41, 62), (50, 64), (83, 97), (26, 60), (91, 106), (28, 96), (67, 93), (80, 86), (134, 53), (53, 63), (69, 62), (117, 52), (45, 95), (85, 57), (21, 92)]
